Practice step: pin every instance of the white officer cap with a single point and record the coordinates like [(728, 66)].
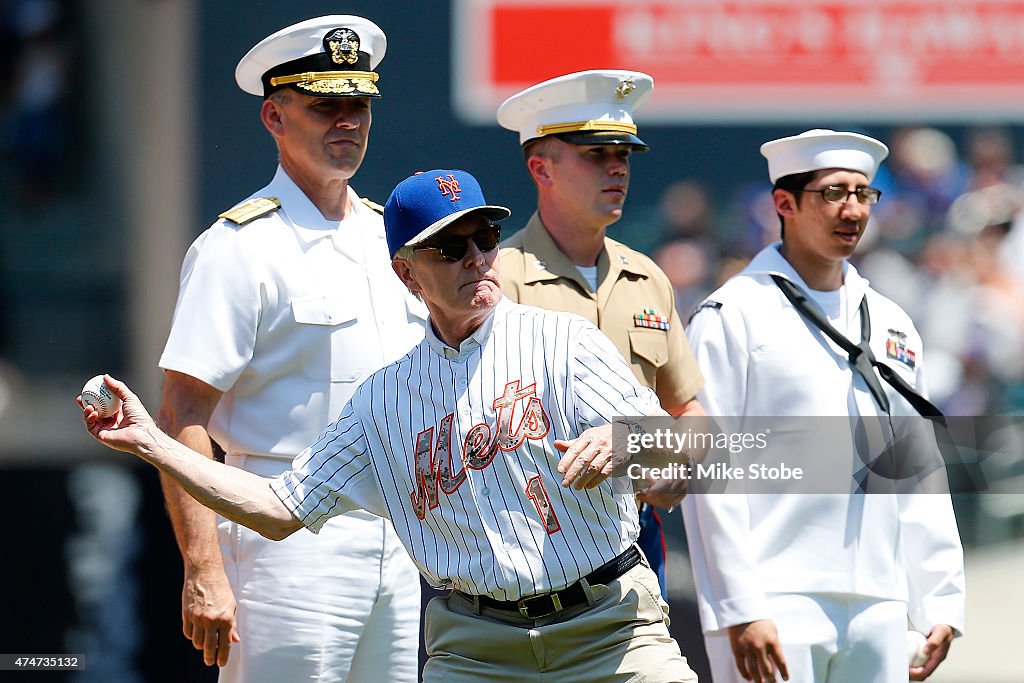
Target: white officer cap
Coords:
[(819, 149), (332, 56), (583, 108)]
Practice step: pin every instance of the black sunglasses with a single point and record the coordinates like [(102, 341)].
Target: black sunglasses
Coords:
[(454, 248)]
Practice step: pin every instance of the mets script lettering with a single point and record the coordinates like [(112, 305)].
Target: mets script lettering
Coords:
[(482, 443)]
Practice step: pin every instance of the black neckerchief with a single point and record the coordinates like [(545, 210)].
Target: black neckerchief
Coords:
[(861, 359)]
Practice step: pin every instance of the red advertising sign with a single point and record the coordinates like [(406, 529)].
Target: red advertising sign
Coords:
[(744, 61)]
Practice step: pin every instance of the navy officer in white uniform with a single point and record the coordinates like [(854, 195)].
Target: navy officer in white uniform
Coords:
[(286, 304)]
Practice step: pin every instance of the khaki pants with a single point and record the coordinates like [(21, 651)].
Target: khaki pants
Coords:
[(622, 636)]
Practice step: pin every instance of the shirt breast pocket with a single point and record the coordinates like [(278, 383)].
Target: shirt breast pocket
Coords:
[(649, 349), (328, 327)]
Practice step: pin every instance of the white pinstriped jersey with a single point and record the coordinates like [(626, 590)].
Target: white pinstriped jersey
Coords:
[(456, 447)]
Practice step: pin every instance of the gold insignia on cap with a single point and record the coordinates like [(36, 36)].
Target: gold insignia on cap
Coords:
[(614, 126), (332, 82), (344, 45), (626, 86), (254, 208)]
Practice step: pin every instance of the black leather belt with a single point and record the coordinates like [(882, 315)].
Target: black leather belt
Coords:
[(538, 606)]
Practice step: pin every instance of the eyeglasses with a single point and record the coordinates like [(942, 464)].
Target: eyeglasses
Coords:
[(454, 248), (837, 194)]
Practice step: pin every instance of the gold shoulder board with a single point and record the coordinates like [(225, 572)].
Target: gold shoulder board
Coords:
[(254, 208), (373, 205)]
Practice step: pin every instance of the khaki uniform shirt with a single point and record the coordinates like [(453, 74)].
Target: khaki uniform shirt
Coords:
[(535, 272)]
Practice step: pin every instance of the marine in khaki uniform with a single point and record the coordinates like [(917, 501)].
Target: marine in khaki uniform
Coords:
[(633, 305), (578, 137)]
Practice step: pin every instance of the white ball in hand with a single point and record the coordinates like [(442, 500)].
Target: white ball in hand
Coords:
[(915, 647), (97, 394)]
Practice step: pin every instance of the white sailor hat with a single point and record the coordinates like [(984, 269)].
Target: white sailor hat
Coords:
[(332, 56), (819, 149), (583, 108)]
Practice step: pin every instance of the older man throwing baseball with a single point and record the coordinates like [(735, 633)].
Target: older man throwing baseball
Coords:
[(489, 447)]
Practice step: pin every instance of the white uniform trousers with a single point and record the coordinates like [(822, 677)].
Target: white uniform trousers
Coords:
[(339, 606), (828, 639)]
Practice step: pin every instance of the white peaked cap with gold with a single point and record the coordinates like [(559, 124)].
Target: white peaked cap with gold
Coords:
[(332, 56), (586, 107)]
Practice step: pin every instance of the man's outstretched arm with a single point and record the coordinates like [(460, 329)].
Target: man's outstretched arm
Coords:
[(240, 496)]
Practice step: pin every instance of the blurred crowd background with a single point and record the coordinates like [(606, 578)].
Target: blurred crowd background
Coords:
[(88, 272)]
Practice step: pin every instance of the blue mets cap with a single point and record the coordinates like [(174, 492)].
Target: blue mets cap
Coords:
[(426, 203)]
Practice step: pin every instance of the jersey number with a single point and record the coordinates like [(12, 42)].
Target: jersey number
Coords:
[(535, 491)]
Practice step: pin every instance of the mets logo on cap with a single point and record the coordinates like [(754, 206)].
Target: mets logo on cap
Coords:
[(449, 185)]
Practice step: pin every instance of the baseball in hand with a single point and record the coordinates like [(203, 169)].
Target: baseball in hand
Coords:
[(97, 394), (915, 647)]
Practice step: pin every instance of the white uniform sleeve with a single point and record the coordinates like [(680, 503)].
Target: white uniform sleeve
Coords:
[(722, 354), (718, 525), (933, 560), (932, 554), (333, 476), (604, 386), (213, 332)]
